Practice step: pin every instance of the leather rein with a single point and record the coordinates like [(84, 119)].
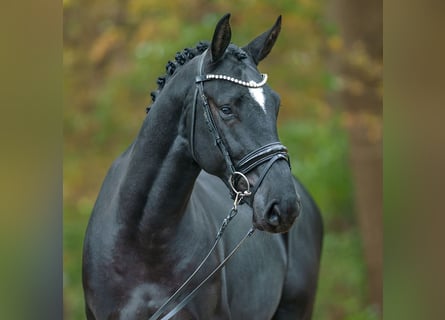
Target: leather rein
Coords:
[(267, 154)]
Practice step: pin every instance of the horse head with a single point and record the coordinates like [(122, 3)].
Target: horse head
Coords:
[(233, 127)]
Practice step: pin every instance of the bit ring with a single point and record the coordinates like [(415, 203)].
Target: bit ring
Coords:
[(238, 192)]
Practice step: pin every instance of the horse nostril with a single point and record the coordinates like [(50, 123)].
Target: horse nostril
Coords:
[(273, 216)]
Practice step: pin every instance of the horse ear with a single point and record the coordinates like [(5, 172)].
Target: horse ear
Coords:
[(261, 46), (221, 38)]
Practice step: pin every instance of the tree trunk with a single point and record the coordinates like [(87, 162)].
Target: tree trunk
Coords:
[(358, 63)]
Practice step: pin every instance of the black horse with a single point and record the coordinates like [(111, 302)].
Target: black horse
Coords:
[(211, 129)]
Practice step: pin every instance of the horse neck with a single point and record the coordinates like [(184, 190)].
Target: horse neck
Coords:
[(160, 174)]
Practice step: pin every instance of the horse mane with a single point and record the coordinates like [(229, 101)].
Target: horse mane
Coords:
[(184, 56)]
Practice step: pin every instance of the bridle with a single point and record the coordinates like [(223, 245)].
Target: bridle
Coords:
[(267, 154)]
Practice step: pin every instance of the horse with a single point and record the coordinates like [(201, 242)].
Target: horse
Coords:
[(208, 144)]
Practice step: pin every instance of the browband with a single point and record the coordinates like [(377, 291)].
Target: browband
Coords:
[(249, 84)]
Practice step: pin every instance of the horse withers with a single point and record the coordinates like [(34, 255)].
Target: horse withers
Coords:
[(211, 128)]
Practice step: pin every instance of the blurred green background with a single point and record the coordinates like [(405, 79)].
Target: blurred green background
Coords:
[(327, 67)]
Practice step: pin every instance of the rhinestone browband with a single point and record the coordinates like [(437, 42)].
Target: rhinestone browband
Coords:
[(250, 84)]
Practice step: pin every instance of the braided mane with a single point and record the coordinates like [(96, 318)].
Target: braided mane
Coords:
[(181, 58)]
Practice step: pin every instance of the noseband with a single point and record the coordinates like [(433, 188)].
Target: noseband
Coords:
[(269, 153)]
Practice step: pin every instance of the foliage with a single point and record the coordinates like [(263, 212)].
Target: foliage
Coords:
[(322, 165), (114, 51)]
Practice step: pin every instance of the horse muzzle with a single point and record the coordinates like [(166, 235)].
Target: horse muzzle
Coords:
[(277, 216), (276, 204), (273, 197)]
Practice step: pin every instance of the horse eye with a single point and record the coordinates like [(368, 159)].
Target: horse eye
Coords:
[(226, 110)]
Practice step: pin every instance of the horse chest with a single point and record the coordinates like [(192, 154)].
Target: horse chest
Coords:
[(251, 282), (256, 277)]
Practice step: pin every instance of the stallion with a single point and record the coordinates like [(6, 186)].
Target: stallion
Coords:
[(208, 144)]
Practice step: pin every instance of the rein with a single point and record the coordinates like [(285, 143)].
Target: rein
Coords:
[(267, 154), (233, 212)]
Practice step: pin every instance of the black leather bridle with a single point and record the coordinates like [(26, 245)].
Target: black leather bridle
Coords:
[(269, 153)]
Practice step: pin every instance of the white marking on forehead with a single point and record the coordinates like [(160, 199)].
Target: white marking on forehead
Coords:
[(258, 95)]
